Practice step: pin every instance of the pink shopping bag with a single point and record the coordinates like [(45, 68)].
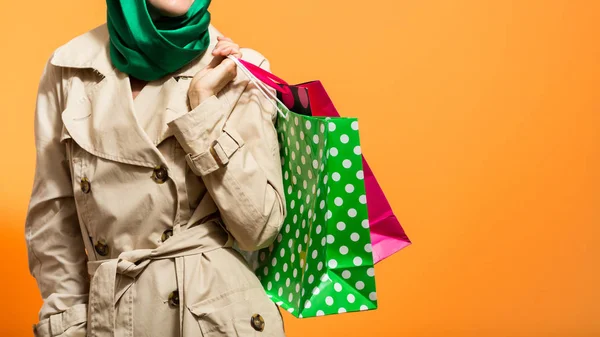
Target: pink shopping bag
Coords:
[(387, 234)]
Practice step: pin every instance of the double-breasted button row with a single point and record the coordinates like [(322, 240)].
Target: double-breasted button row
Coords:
[(101, 248), (166, 235), (257, 322), (160, 174), (174, 298), (85, 185)]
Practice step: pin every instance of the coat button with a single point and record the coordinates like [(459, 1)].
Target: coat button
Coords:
[(174, 298), (257, 322), (101, 248), (160, 174), (86, 186), (166, 235)]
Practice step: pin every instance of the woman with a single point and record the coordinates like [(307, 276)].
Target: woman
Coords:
[(153, 156)]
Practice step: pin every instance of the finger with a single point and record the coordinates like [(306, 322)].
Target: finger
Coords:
[(224, 38)]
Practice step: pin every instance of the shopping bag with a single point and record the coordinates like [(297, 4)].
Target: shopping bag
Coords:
[(321, 263), (311, 98)]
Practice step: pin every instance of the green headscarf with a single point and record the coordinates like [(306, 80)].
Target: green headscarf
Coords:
[(149, 50)]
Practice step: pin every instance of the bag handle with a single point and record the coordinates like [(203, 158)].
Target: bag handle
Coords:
[(262, 87), (267, 78)]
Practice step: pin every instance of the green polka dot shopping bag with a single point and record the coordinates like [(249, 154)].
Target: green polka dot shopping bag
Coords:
[(321, 263)]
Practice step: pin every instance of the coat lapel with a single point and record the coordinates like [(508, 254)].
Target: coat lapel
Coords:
[(101, 116)]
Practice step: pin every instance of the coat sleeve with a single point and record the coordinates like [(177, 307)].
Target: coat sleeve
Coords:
[(56, 253), (234, 148)]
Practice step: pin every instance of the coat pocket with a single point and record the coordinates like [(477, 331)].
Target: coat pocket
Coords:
[(242, 313)]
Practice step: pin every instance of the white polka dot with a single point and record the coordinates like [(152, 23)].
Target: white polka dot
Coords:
[(325, 180), (294, 157), (301, 209), (310, 175), (302, 135), (322, 204), (308, 199), (318, 229), (292, 204), (287, 228), (357, 150), (316, 139), (328, 215), (315, 254), (293, 258), (277, 276), (320, 313), (337, 287), (285, 267), (332, 127), (315, 164), (298, 170), (296, 120), (354, 125), (320, 266), (297, 146), (324, 278), (343, 250), (352, 212), (360, 285), (274, 262), (290, 243), (266, 271), (269, 286), (311, 279), (365, 223), (303, 160), (351, 298), (316, 291), (368, 248), (357, 261), (332, 263), (344, 139), (360, 175), (307, 304), (346, 274), (373, 296), (286, 175), (291, 297), (347, 163), (370, 272), (322, 128), (297, 233), (362, 199), (338, 201), (364, 308), (293, 131), (300, 248), (290, 190), (308, 125), (341, 226), (320, 154), (301, 263), (323, 241), (329, 300), (314, 188), (333, 152), (297, 284), (299, 194), (349, 188), (335, 176), (290, 310), (305, 238), (341, 310), (354, 237), (282, 252), (280, 292), (330, 239)]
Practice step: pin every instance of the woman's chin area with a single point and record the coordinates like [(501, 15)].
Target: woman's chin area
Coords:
[(171, 7)]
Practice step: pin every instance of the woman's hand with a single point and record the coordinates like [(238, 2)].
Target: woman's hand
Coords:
[(214, 77)]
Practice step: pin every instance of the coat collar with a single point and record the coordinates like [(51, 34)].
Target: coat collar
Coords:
[(101, 118), (91, 51)]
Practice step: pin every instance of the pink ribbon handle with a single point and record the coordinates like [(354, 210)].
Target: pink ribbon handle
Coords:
[(267, 78)]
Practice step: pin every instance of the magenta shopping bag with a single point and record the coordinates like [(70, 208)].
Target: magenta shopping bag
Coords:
[(311, 98)]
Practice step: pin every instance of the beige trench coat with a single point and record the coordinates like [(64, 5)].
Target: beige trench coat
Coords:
[(132, 219)]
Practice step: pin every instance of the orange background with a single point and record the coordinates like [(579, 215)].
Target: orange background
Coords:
[(480, 119)]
